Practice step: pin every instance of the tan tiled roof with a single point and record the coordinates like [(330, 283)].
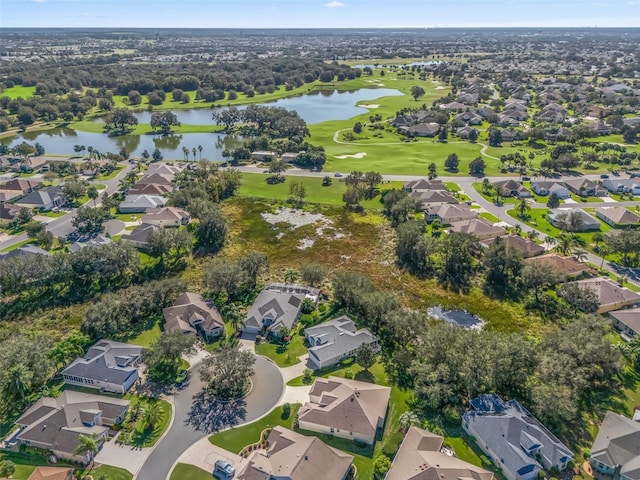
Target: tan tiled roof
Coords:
[(525, 247), (51, 473), (564, 265), (420, 458), (619, 215), (346, 404), (477, 226), (292, 456)]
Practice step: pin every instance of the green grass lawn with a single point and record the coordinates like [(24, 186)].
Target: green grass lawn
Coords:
[(146, 337), (189, 472), (537, 219), (490, 217), (477, 186), (52, 214), (142, 437), (18, 91), (112, 473), (255, 185), (17, 245), (235, 439), (111, 175), (283, 355)]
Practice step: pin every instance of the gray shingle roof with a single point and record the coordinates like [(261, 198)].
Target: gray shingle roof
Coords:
[(280, 304), (106, 361), (336, 338), (618, 443), (504, 426)]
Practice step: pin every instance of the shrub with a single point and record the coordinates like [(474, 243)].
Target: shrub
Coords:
[(306, 318), (451, 415), (286, 410), (348, 373), (322, 308)]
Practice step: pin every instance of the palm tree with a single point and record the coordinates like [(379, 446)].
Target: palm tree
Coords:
[(517, 228), (92, 193), (152, 414), (19, 380), (407, 419), (88, 446), (550, 241), (185, 150), (603, 252), (597, 239), (580, 255), (532, 234), (565, 244), (200, 150), (522, 208), (194, 150), (486, 186), (291, 275)]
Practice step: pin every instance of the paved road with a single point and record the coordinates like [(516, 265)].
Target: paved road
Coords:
[(197, 417), (61, 226)]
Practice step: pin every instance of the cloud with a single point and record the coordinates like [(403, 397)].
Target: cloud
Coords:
[(38, 1), (333, 4)]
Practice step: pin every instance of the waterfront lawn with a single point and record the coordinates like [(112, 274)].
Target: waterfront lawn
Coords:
[(235, 439), (191, 472)]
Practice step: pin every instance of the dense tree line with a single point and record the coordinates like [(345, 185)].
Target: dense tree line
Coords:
[(116, 315), (446, 366)]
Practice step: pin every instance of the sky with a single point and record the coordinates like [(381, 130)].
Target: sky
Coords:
[(319, 13)]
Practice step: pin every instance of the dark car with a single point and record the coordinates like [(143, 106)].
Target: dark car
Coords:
[(604, 176)]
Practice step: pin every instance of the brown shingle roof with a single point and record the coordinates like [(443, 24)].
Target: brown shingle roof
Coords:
[(51, 473), (346, 404), (525, 247), (420, 458), (568, 266)]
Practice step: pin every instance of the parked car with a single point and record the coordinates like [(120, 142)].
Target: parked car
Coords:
[(604, 176), (224, 468), (337, 174), (526, 179)]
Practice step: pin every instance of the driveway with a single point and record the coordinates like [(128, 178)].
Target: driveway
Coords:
[(124, 456), (197, 416), (203, 455)]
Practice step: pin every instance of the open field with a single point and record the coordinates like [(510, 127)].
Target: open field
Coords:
[(18, 91)]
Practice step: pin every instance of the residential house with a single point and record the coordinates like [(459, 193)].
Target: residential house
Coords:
[(469, 118), (466, 132), (333, 341), (166, 217), (8, 212), (627, 321), (448, 214), (423, 129), (618, 217), (140, 203), (600, 128), (551, 113), (421, 185), (486, 112), (191, 314), (512, 188), (583, 187), (626, 185), (289, 157), (17, 187), (23, 251), (56, 424), (615, 453), (44, 199), (558, 217), (568, 266), (139, 236), (263, 156), (454, 106), (513, 439), (151, 189), (506, 120), (277, 306), (402, 121), (107, 366), (98, 241), (345, 408), (478, 227), (161, 168), (544, 188), (524, 247), (434, 197), (156, 178), (611, 296), (292, 456), (422, 457), (52, 473), (468, 98)]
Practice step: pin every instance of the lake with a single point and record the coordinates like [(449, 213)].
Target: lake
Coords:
[(459, 318), (315, 107)]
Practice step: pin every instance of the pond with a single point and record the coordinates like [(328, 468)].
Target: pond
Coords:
[(315, 107), (459, 318)]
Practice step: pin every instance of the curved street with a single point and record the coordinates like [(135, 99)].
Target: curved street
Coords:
[(197, 416)]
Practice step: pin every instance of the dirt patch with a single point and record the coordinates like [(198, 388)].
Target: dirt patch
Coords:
[(294, 219), (355, 155)]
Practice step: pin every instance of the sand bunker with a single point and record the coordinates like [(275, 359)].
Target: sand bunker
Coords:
[(440, 87), (355, 155), (369, 105)]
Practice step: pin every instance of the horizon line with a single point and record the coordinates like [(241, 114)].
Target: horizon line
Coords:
[(437, 27)]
